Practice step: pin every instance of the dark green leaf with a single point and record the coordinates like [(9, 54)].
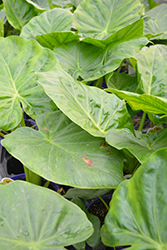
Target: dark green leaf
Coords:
[(137, 214)]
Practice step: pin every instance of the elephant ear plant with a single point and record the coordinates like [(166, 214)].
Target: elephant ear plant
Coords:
[(32, 217), (86, 138)]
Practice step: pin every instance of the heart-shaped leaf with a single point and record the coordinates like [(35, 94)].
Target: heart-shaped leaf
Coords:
[(25, 224), (151, 70), (64, 153), (141, 146), (18, 12), (108, 17), (152, 90), (51, 28), (18, 59), (91, 62), (154, 22), (91, 108), (137, 214)]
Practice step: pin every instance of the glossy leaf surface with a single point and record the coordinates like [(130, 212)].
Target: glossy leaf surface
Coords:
[(64, 153), (141, 146), (91, 62), (51, 28), (137, 214), (91, 108), (151, 70), (108, 17), (154, 22), (18, 59), (33, 217), (18, 12), (151, 93)]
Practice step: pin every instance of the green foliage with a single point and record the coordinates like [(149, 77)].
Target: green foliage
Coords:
[(90, 143)]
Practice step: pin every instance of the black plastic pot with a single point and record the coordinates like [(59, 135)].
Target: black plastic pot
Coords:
[(8, 164)]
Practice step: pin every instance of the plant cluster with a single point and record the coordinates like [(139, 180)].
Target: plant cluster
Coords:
[(54, 59)]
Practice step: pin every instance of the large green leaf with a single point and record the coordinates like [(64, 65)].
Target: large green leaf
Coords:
[(91, 62), (152, 90), (33, 217), (142, 146), (51, 28), (100, 19), (151, 70), (18, 12), (18, 59), (154, 22), (81, 59), (138, 209), (64, 153), (91, 108), (147, 103)]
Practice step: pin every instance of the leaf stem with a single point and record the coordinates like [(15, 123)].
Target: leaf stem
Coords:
[(1, 135), (142, 121), (30, 176), (105, 204)]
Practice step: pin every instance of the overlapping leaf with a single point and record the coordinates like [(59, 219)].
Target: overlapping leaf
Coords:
[(25, 224), (19, 12), (51, 28), (64, 153), (154, 22), (137, 215), (141, 146), (122, 81), (152, 90), (18, 58), (91, 62), (108, 17), (91, 108)]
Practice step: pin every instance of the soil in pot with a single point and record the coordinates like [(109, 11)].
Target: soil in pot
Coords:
[(97, 208)]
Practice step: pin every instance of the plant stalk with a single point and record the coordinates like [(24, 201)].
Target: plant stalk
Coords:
[(1, 135), (142, 122), (30, 176), (105, 204)]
